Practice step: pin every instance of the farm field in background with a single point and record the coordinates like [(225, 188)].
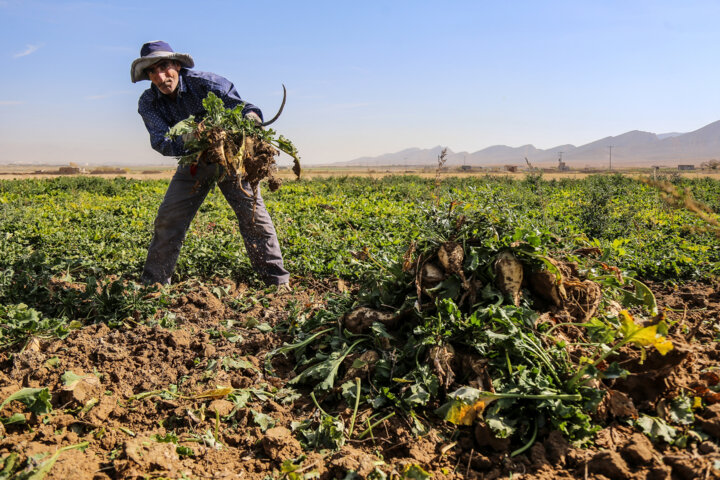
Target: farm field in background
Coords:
[(371, 367), (159, 172)]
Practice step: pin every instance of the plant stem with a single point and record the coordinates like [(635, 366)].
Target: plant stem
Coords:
[(357, 404), (562, 325), (369, 429), (547, 396), (576, 378), (529, 444), (312, 396)]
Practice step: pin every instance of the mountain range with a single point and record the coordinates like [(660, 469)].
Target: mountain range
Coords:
[(634, 148)]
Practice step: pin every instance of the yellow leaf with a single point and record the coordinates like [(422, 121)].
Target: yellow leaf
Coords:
[(644, 336), (663, 346), (465, 414), (628, 324), (219, 392)]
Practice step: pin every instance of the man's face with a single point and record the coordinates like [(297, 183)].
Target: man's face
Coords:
[(165, 75)]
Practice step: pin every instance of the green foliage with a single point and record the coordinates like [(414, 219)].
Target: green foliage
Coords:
[(73, 247), (326, 433)]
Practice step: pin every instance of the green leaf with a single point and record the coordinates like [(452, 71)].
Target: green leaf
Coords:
[(328, 433), (14, 419), (262, 420), (184, 451), (415, 472), (642, 296), (681, 410), (182, 127), (614, 370), (169, 437), (37, 400), (70, 378), (326, 371), (656, 428), (229, 363)]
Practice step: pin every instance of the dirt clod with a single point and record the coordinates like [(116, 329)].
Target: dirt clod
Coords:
[(639, 450), (279, 444), (610, 464)]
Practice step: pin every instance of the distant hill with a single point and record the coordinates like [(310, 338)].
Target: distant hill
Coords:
[(634, 148)]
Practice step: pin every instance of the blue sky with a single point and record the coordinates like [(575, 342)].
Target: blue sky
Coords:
[(363, 78)]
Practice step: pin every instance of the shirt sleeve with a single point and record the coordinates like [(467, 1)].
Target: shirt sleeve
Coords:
[(157, 127)]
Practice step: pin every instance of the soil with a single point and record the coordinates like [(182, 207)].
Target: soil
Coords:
[(223, 342)]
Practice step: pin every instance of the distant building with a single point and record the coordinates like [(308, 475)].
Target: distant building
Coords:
[(465, 167), (686, 167), (511, 168), (562, 166)]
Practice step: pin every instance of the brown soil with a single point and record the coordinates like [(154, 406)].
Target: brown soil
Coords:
[(216, 343)]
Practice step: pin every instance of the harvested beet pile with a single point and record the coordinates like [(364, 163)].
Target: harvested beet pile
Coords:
[(490, 332)]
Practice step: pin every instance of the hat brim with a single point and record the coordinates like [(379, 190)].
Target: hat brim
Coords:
[(137, 69)]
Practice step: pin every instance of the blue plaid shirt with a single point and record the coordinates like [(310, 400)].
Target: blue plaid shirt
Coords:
[(159, 112)]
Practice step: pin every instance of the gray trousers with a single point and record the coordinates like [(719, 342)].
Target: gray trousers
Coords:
[(182, 201)]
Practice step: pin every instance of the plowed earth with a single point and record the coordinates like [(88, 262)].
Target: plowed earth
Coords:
[(119, 363)]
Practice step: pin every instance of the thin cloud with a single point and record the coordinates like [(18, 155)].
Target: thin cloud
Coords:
[(102, 96), (10, 102), (28, 50)]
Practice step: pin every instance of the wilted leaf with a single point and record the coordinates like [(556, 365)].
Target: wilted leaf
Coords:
[(262, 420), (216, 393), (229, 363), (466, 405), (70, 379)]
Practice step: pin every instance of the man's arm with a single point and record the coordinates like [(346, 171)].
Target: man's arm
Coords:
[(157, 127)]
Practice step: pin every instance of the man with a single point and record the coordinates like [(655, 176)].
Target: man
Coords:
[(175, 94)]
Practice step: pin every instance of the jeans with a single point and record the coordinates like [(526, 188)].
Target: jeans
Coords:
[(183, 199)]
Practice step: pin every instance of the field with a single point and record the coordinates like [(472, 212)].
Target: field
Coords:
[(441, 327)]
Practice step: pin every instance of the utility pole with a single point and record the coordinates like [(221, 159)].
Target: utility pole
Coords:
[(610, 149)]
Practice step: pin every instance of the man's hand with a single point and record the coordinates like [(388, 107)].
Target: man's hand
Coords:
[(186, 137), (254, 117)]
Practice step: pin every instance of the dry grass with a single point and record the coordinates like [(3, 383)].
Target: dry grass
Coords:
[(10, 172)]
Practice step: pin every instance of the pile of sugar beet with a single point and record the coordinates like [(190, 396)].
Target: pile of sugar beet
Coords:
[(475, 330)]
